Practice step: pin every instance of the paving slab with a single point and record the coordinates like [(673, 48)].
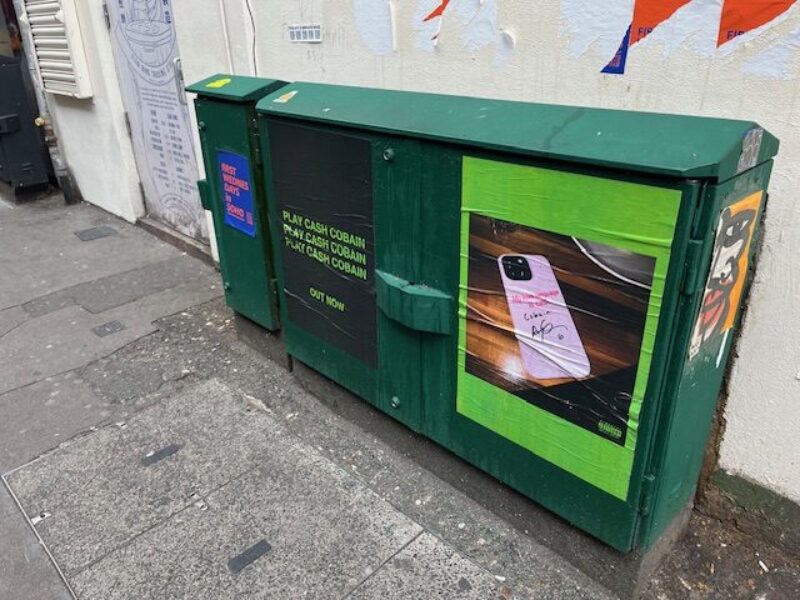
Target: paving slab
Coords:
[(41, 254), (122, 526), (11, 318), (119, 289), (327, 529), (426, 569), (63, 340), (200, 342), (100, 492), (188, 556), (26, 572), (184, 557), (41, 416)]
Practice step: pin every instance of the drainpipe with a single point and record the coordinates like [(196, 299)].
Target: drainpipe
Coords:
[(66, 182)]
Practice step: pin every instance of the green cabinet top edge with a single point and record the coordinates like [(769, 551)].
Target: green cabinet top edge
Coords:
[(660, 144), (234, 87)]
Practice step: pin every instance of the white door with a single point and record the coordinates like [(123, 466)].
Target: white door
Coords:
[(148, 66)]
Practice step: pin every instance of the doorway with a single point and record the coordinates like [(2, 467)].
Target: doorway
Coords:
[(148, 66), (24, 161)]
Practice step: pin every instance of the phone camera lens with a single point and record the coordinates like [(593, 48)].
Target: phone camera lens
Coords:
[(516, 268)]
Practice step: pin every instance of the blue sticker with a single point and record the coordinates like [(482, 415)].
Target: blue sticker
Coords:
[(237, 191), (617, 64)]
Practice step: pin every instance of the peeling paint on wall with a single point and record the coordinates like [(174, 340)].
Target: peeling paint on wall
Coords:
[(428, 22), (479, 21), (775, 61), (375, 24), (596, 25), (693, 26), (476, 19)]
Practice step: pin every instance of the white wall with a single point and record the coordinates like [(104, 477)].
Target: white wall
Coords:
[(552, 51), (92, 133), (202, 27)]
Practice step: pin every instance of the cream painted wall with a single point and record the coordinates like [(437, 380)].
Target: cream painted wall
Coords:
[(552, 51), (202, 33), (92, 133)]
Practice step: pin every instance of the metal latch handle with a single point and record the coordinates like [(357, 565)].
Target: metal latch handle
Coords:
[(418, 307)]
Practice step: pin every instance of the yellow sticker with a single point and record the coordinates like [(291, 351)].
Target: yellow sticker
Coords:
[(284, 98), (218, 83)]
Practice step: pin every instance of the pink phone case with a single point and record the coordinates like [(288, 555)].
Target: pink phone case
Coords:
[(549, 342)]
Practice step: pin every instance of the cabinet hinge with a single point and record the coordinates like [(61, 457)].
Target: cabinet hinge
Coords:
[(255, 142), (692, 277), (646, 498)]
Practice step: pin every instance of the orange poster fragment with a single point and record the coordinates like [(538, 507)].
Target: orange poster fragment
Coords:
[(438, 11), (741, 16), (649, 14)]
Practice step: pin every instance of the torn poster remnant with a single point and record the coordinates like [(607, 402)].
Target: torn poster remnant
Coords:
[(375, 24), (742, 16), (612, 28), (476, 19)]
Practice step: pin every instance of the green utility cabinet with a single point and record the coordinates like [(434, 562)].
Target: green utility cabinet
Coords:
[(234, 191), (547, 291)]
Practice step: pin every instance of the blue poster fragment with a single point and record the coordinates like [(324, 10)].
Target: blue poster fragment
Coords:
[(237, 191), (617, 64)]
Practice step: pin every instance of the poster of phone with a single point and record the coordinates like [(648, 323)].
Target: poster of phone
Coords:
[(557, 321), (561, 294)]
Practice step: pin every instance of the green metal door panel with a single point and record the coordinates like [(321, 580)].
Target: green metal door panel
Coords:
[(335, 364), (435, 178), (417, 200), (611, 519), (291, 150), (398, 206), (245, 260), (707, 318)]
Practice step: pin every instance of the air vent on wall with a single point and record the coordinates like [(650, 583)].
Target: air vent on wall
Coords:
[(55, 33)]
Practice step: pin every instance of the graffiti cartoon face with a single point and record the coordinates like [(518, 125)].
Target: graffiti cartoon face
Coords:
[(728, 270), (732, 241)]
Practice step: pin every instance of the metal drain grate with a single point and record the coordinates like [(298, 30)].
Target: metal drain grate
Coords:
[(107, 328), (154, 457), (249, 556), (95, 233)]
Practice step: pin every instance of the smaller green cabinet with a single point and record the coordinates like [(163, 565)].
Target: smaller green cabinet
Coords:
[(234, 191)]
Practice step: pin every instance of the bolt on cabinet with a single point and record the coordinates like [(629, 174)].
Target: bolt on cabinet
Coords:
[(234, 191), (547, 291)]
